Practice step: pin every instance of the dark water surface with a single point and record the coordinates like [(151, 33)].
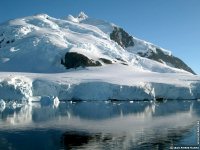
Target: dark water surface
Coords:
[(101, 125)]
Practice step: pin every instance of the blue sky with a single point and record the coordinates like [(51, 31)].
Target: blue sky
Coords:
[(171, 24)]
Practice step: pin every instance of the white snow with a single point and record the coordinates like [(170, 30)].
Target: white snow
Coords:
[(82, 16), (30, 64), (2, 105), (39, 42), (15, 87), (99, 83), (146, 48)]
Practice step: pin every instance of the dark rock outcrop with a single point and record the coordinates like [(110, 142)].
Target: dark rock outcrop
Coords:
[(74, 60), (125, 40), (106, 61), (121, 37), (4, 41), (171, 60)]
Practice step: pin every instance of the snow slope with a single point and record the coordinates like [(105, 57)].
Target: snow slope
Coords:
[(31, 50), (38, 43)]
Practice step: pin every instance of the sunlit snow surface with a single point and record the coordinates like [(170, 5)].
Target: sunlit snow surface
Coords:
[(38, 43), (30, 64), (99, 83)]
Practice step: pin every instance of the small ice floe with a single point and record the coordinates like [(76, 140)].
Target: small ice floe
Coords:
[(107, 102), (49, 101), (34, 99), (2, 105), (12, 105), (72, 102)]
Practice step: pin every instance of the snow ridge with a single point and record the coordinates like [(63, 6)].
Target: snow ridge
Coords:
[(34, 46), (52, 38)]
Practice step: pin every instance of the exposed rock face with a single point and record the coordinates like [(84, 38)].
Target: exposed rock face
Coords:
[(125, 40), (106, 61), (74, 60), (121, 37), (173, 61), (4, 41)]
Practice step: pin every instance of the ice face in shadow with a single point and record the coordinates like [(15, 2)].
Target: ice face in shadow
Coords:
[(102, 125)]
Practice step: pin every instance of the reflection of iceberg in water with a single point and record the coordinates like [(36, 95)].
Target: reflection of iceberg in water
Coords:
[(136, 131), (126, 124), (100, 112), (87, 140), (17, 117)]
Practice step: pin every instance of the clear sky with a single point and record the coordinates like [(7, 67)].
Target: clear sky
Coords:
[(171, 24)]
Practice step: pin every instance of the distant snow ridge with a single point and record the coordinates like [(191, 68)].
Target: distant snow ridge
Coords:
[(82, 16), (74, 47)]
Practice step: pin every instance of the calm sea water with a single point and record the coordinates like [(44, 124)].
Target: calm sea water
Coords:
[(101, 125)]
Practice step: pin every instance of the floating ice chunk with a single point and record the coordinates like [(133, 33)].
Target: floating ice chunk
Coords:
[(107, 102), (4, 60), (2, 105), (49, 101), (56, 102), (12, 105), (34, 99)]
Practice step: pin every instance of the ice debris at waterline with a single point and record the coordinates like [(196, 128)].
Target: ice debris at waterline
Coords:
[(49, 101)]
